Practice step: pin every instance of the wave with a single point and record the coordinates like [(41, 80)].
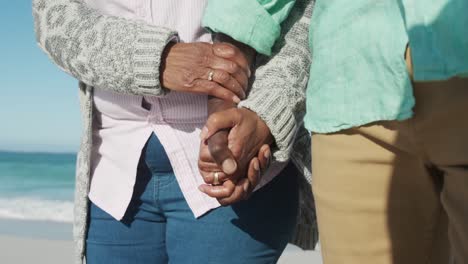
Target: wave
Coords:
[(36, 209)]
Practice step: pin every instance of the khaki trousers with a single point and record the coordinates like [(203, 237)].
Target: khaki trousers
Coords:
[(397, 192)]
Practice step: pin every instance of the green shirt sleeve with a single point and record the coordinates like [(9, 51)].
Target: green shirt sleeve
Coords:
[(438, 33), (256, 23)]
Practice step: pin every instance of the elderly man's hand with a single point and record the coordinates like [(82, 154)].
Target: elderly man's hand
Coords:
[(238, 186), (238, 147)]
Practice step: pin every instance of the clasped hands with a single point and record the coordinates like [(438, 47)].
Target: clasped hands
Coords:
[(219, 70), (235, 144), (235, 141)]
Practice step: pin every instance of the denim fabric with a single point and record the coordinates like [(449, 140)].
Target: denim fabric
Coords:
[(159, 227)]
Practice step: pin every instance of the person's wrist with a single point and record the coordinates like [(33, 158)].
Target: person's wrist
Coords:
[(409, 61), (163, 65), (262, 129)]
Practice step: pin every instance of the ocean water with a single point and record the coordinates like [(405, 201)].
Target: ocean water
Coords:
[(37, 186)]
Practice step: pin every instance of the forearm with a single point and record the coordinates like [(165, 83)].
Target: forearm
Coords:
[(219, 141), (278, 93), (216, 104), (99, 50)]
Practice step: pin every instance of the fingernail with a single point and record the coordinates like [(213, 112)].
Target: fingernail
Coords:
[(256, 165), (203, 133), (249, 73), (201, 188), (236, 99), (229, 166), (267, 154)]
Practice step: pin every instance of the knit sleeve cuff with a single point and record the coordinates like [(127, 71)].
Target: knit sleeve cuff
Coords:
[(246, 21), (149, 48), (279, 118)]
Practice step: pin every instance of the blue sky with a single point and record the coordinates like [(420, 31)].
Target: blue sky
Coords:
[(39, 108)]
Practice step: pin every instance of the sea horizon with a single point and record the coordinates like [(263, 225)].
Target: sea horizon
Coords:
[(66, 152)]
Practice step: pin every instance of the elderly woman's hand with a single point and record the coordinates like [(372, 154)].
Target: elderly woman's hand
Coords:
[(220, 70)]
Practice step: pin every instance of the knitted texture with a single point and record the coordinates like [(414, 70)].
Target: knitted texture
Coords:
[(124, 56), (83, 173), (101, 51), (278, 97), (278, 92)]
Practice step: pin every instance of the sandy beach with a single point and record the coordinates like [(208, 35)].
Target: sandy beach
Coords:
[(20, 250), (25, 242), (26, 250), (41, 242)]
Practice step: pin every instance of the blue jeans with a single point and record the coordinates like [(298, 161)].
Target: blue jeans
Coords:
[(160, 228)]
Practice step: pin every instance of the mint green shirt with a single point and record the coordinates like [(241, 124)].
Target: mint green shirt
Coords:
[(358, 72)]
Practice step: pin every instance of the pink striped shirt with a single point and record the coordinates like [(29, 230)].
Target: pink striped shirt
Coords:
[(122, 125)]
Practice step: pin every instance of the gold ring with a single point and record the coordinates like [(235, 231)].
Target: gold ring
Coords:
[(216, 178), (210, 76)]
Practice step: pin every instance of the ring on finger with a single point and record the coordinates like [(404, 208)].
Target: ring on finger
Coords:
[(216, 178), (210, 75)]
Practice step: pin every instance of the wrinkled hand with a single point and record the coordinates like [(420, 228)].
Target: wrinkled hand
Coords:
[(238, 186), (186, 67), (248, 132), (234, 141)]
